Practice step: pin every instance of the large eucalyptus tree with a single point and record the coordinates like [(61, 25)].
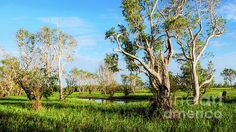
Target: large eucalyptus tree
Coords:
[(147, 40)]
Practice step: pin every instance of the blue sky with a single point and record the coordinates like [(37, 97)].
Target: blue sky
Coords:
[(87, 21)]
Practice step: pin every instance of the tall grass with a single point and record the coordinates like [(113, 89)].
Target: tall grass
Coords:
[(74, 115)]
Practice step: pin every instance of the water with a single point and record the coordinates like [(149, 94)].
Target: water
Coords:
[(121, 101)]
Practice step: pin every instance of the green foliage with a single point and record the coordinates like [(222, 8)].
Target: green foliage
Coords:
[(37, 71), (182, 80), (138, 32), (9, 67), (132, 11), (131, 83), (71, 82), (229, 75), (176, 24), (111, 60)]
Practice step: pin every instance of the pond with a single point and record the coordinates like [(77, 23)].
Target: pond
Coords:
[(110, 100)]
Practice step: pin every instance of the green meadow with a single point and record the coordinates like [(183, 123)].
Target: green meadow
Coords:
[(74, 114)]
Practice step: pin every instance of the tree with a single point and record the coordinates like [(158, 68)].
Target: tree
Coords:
[(181, 80), (91, 81), (46, 40), (35, 75), (148, 42), (82, 80), (229, 75), (8, 73), (64, 49), (131, 82), (71, 82), (110, 68), (38, 54), (106, 80), (198, 24)]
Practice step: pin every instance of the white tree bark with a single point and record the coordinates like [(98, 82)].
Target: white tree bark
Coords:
[(60, 72)]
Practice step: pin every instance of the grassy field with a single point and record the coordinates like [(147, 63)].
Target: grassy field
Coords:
[(77, 115)]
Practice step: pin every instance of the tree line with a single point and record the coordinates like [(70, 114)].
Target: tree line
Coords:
[(39, 70)]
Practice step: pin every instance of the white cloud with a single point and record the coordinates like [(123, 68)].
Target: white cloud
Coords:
[(93, 43), (66, 21), (232, 33), (89, 40), (89, 63), (217, 44), (8, 52), (229, 10), (112, 15), (224, 61), (1, 52)]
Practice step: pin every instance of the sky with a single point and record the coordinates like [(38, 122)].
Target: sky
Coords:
[(88, 20)]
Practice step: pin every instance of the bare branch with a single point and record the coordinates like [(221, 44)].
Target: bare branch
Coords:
[(182, 47), (146, 67), (154, 8), (170, 48), (206, 82), (204, 47), (181, 59), (199, 32), (190, 32)]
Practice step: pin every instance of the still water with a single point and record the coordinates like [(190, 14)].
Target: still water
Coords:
[(110, 101)]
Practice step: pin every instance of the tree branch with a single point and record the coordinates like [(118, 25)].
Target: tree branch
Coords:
[(154, 8), (206, 82), (169, 47), (182, 47), (205, 46), (145, 66)]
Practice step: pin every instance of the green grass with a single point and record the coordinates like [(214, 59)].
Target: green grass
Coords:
[(75, 115)]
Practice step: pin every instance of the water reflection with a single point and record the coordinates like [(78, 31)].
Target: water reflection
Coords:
[(121, 101)]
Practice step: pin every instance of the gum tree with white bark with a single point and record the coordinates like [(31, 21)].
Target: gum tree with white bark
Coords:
[(65, 48), (200, 24), (147, 39)]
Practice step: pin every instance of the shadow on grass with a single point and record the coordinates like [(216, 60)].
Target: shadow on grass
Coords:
[(230, 100), (98, 107), (11, 122), (22, 104), (13, 99)]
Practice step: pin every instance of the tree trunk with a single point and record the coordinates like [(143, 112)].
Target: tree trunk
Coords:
[(60, 76), (60, 90), (161, 93), (27, 91), (164, 94), (134, 86), (19, 93), (195, 84), (36, 105), (161, 102)]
